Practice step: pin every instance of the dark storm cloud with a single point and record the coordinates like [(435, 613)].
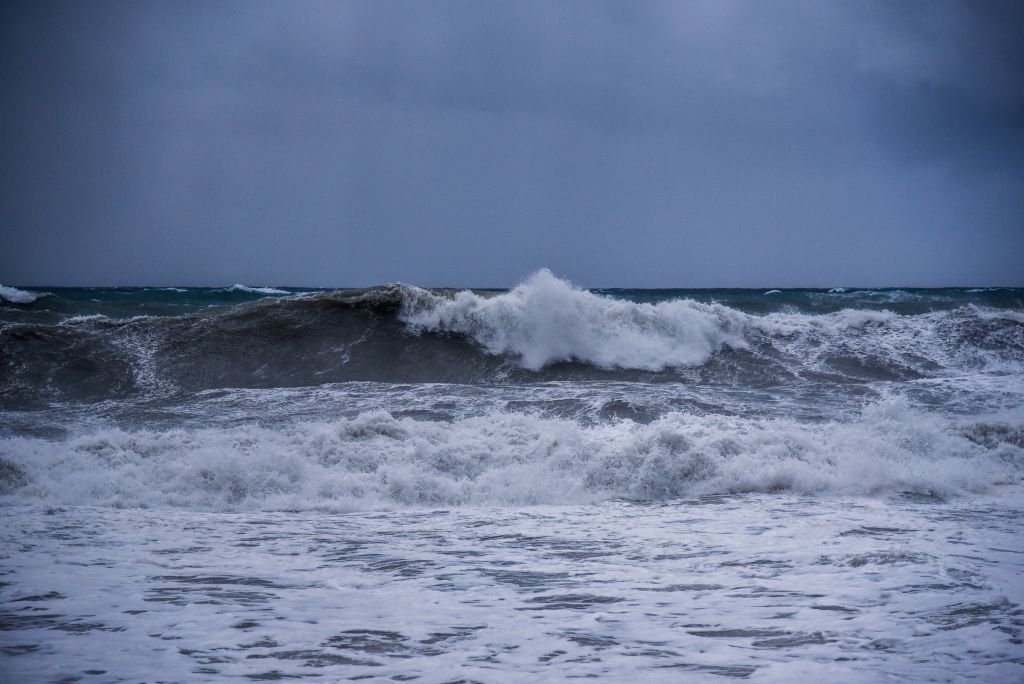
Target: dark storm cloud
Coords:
[(469, 143)]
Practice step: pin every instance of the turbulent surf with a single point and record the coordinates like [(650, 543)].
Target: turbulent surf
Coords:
[(546, 417)]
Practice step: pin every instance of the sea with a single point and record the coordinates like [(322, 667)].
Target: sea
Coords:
[(543, 483)]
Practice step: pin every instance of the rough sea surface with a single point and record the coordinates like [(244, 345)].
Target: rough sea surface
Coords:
[(540, 484)]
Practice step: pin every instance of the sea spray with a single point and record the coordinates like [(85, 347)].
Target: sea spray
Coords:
[(545, 320)]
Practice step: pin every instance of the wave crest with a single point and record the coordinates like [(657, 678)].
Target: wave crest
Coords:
[(546, 320), (238, 287), (16, 296), (545, 329)]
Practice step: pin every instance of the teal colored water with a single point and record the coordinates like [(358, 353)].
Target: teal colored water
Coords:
[(54, 303)]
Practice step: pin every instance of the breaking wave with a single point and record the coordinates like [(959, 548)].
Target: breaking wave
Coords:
[(377, 460), (545, 321), (258, 290), (16, 296), (544, 329)]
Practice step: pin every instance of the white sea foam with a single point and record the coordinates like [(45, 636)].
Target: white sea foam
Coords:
[(237, 287), (988, 314), (546, 320), (769, 292), (82, 318), (762, 588), (946, 340), (376, 460), (16, 296)]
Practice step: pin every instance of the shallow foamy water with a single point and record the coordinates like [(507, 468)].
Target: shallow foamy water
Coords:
[(763, 587)]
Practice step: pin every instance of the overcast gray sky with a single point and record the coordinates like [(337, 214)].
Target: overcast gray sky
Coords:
[(710, 143)]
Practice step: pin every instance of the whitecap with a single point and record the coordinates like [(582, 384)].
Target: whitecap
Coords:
[(546, 320), (238, 287), (16, 296)]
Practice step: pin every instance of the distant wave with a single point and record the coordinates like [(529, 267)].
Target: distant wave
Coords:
[(16, 296), (887, 296), (376, 460), (257, 290)]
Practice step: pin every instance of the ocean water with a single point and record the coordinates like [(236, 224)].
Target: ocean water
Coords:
[(538, 484)]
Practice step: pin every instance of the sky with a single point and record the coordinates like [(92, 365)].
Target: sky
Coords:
[(704, 143)]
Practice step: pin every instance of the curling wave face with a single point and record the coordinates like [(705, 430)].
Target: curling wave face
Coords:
[(540, 331), (546, 321)]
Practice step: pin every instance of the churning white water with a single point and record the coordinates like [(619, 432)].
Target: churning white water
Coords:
[(542, 484)]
